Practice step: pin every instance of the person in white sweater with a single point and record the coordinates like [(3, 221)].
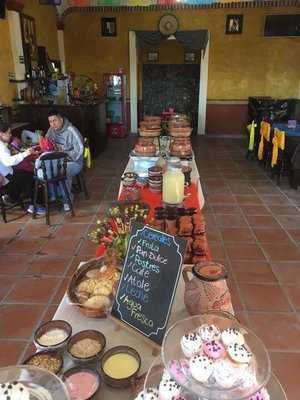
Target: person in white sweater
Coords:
[(18, 182)]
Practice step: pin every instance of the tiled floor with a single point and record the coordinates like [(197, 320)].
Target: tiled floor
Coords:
[(253, 228)]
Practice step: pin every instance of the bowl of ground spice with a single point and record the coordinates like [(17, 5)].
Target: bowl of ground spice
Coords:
[(86, 346), (48, 360)]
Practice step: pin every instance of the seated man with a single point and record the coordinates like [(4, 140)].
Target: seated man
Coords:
[(67, 139), (17, 182)]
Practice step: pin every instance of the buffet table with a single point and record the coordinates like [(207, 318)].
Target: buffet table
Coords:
[(193, 193), (114, 333)]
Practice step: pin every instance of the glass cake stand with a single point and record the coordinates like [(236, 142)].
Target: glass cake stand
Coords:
[(41, 384), (157, 368), (260, 365)]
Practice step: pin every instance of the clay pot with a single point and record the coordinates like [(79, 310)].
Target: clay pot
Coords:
[(206, 288)]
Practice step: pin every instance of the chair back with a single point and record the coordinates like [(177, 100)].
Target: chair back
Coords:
[(278, 144), (87, 160), (53, 165), (265, 133)]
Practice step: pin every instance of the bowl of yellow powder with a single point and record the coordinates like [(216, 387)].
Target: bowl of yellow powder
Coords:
[(120, 365)]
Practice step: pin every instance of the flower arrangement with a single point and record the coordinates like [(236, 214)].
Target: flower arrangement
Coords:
[(114, 230)]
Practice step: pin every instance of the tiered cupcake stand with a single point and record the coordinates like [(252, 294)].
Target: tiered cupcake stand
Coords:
[(257, 382)]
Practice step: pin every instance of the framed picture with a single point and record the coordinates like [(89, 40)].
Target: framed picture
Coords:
[(29, 36), (153, 56), (108, 27), (234, 24), (189, 57)]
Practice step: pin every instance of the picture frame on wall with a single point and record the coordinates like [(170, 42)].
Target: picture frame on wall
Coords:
[(29, 36), (153, 56), (190, 57), (109, 27), (234, 24)]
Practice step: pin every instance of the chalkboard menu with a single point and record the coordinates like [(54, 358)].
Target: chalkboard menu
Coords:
[(149, 280)]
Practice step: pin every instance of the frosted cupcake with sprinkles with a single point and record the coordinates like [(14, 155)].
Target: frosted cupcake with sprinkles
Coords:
[(191, 344)]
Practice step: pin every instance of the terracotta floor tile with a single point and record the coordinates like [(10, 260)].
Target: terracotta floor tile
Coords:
[(230, 220), (242, 251), (217, 251), (226, 209), (213, 235), (49, 265), (289, 221), (10, 231), (248, 199), (295, 234), (82, 217), (14, 264), (265, 235), (33, 290), (237, 235), (274, 200), (261, 297), (50, 311), (294, 294), (277, 330), (88, 248), (61, 246), (262, 221), (284, 366), (242, 317), (71, 230), (10, 352), (281, 252), (6, 284), (253, 272), (61, 290), (24, 245), (19, 321), (255, 210), (222, 199), (37, 231), (287, 272), (284, 210)]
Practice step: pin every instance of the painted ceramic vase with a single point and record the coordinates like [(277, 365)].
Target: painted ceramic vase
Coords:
[(206, 288)]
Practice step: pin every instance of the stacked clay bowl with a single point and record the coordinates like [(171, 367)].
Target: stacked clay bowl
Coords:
[(183, 132), (150, 127)]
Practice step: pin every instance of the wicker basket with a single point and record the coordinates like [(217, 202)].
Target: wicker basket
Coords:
[(79, 276)]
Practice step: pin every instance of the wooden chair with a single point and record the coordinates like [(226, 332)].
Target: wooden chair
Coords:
[(251, 128), (4, 207), (54, 171)]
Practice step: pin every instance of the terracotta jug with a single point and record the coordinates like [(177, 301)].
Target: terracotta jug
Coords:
[(206, 288)]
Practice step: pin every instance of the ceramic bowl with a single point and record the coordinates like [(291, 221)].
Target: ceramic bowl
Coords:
[(87, 334), (123, 382), (50, 326)]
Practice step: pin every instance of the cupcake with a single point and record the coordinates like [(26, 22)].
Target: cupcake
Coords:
[(149, 394), (201, 368), (232, 335), (226, 374), (214, 349), (209, 332), (169, 390), (261, 395), (239, 353), (14, 391), (191, 344)]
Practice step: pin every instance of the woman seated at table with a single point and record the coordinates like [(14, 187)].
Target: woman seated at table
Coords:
[(16, 181), (67, 139)]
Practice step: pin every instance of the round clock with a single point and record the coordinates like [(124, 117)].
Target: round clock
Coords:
[(168, 24)]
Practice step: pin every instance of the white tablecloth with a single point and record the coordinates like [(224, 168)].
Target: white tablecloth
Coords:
[(121, 336), (116, 336)]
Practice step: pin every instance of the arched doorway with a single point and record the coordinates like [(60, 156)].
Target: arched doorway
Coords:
[(203, 80)]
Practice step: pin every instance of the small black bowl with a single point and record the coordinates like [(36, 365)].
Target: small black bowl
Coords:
[(123, 382), (75, 370), (91, 334)]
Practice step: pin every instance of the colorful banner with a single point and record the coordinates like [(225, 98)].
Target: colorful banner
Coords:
[(145, 3)]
